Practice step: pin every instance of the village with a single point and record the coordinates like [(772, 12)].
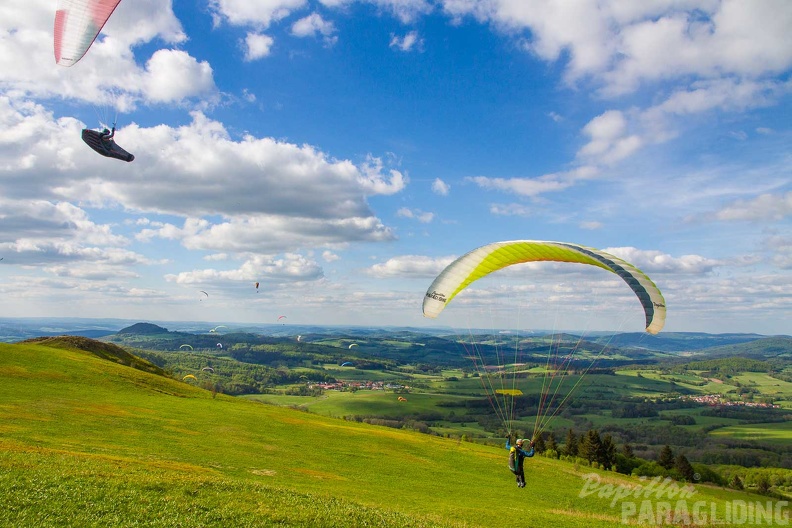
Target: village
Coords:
[(342, 385), (718, 400)]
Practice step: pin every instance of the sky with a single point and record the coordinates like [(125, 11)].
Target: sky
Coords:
[(342, 153)]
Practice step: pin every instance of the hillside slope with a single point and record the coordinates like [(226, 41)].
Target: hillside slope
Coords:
[(90, 442)]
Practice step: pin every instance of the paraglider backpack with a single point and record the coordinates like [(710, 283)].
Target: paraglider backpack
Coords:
[(513, 460)]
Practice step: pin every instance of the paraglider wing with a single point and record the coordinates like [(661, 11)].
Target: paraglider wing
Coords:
[(208, 369), (347, 363), (189, 376), (219, 345), (493, 257), (281, 317), (186, 346), (77, 24), (353, 344), (108, 149)]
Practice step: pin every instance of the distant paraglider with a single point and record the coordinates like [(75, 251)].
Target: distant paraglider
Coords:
[(346, 364), (189, 376), (353, 344), (257, 285), (299, 337), (208, 369), (186, 346), (214, 330), (207, 295), (219, 345), (281, 317)]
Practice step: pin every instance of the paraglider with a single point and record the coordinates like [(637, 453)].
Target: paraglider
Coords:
[(189, 376), (77, 24), (299, 337), (257, 285), (208, 369), (186, 346), (102, 143), (281, 317), (219, 345), (207, 295), (346, 363), (494, 257), (353, 344), (214, 330)]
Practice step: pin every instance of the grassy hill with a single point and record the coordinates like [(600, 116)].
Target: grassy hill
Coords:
[(86, 441)]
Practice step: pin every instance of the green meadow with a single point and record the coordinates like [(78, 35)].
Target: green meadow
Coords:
[(87, 442)]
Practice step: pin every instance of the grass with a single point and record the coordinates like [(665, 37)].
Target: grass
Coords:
[(777, 433), (88, 442)]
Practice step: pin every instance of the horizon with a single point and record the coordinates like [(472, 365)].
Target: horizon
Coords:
[(341, 154)]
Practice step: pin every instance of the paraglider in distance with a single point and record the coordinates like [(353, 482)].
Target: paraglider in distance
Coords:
[(201, 291), (77, 24), (219, 345), (257, 285), (281, 317), (102, 143), (189, 376), (346, 364), (208, 369), (493, 257), (299, 337), (214, 330), (353, 344), (186, 346)]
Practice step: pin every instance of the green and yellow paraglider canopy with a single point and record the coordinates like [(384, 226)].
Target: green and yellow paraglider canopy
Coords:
[(493, 257)]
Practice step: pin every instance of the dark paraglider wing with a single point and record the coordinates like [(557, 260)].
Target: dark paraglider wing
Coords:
[(109, 149)]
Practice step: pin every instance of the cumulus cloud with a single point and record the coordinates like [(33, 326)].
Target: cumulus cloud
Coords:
[(417, 266), (108, 74), (763, 207), (313, 25), (290, 268), (511, 209), (257, 45), (653, 261)]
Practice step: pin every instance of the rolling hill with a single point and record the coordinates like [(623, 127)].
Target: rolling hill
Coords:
[(86, 440)]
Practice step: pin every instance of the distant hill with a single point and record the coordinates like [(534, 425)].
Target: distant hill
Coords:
[(764, 348), (107, 351), (143, 329)]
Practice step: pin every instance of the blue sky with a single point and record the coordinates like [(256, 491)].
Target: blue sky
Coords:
[(343, 152)]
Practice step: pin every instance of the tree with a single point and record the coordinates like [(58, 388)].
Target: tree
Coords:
[(539, 444), (627, 451), (571, 447), (591, 446), (736, 483), (552, 445), (666, 457), (682, 465), (607, 452)]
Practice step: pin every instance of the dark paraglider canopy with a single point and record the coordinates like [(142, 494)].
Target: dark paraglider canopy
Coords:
[(102, 143)]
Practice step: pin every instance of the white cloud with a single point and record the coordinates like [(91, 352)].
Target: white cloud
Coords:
[(535, 186), (260, 13), (409, 42), (440, 187), (257, 45), (421, 216), (173, 75), (291, 267), (763, 207), (415, 266), (653, 261), (512, 209), (313, 25)]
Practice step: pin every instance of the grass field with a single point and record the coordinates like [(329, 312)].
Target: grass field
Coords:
[(778, 433), (86, 442)]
